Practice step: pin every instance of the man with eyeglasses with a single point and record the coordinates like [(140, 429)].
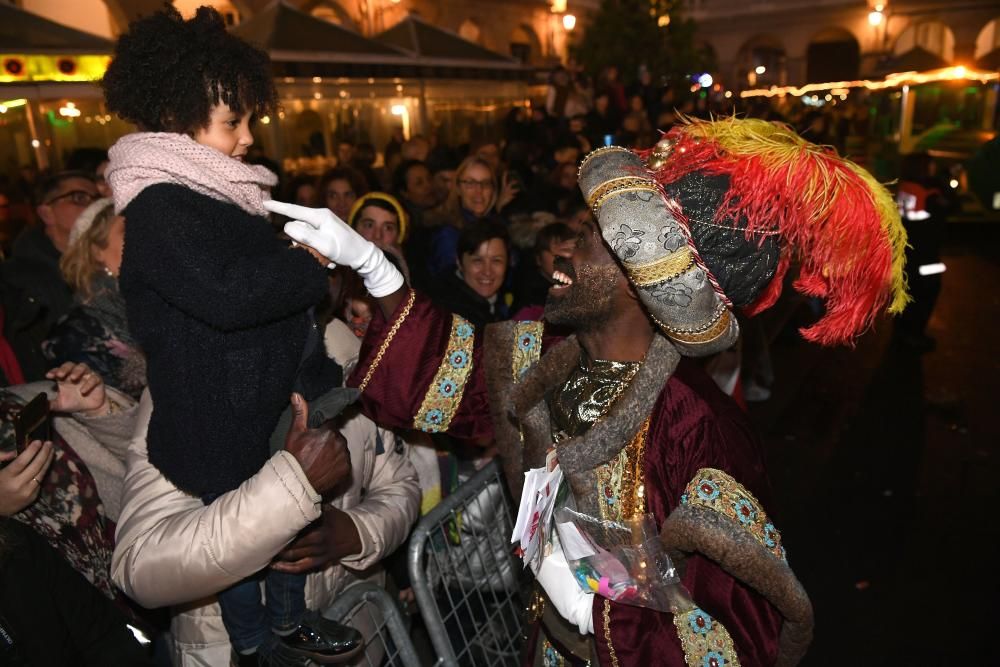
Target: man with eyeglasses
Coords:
[(34, 293)]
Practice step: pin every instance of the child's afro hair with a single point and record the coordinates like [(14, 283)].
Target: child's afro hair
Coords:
[(168, 73)]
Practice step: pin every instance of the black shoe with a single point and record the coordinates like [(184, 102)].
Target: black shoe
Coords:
[(324, 641)]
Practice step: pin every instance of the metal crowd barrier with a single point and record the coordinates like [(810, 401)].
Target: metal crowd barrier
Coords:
[(371, 610), (469, 588)]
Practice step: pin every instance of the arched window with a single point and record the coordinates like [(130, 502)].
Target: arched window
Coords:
[(524, 44)]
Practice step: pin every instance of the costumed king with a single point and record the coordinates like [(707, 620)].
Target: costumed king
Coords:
[(709, 221)]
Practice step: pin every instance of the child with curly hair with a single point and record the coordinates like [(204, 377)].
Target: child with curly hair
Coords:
[(221, 307)]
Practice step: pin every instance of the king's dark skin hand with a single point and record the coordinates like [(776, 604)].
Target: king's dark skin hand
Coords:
[(326, 541), (322, 452)]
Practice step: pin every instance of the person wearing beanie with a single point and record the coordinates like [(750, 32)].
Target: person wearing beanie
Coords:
[(380, 218), (682, 236)]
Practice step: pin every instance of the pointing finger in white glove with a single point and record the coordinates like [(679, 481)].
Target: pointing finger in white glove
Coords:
[(321, 229), (316, 217)]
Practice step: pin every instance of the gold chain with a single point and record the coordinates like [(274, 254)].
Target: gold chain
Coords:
[(607, 632), (388, 339)]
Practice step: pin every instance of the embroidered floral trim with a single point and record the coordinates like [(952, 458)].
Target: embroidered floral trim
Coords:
[(527, 347), (715, 490), (705, 641), (445, 392), (551, 657), (621, 481)]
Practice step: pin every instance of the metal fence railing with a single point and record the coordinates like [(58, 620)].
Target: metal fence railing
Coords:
[(371, 610), (467, 584)]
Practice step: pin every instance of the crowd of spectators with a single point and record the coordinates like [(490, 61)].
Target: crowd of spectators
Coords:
[(476, 226)]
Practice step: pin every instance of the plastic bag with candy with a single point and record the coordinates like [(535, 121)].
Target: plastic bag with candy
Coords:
[(622, 561)]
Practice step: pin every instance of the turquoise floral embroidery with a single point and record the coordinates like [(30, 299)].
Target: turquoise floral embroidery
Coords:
[(459, 359), (527, 347), (745, 511), (707, 490), (699, 621), (444, 393), (717, 491), (769, 531), (713, 659)]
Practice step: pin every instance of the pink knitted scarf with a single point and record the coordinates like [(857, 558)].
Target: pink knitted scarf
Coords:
[(146, 158)]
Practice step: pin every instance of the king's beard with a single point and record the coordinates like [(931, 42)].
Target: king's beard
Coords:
[(588, 302)]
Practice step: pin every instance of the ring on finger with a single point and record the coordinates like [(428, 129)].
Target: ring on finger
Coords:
[(36, 481)]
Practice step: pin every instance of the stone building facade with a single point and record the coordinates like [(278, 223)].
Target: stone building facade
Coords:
[(799, 41), (531, 30)]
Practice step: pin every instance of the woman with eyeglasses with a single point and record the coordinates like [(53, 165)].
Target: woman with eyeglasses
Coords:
[(473, 200), (33, 291), (95, 332)]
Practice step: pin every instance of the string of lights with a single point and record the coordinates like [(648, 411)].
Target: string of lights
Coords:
[(897, 80)]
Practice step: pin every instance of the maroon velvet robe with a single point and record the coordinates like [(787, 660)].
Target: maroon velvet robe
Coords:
[(693, 425)]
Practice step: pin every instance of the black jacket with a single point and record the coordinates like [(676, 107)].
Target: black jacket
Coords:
[(51, 615), (451, 293), (35, 296), (220, 307)]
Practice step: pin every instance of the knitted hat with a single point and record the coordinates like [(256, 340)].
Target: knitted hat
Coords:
[(364, 200), (86, 218), (727, 205)]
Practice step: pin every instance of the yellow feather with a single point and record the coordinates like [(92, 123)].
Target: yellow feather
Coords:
[(779, 147)]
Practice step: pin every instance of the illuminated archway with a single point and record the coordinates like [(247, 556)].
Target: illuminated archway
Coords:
[(932, 36), (988, 39)]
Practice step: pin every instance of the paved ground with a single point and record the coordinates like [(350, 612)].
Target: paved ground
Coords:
[(886, 466)]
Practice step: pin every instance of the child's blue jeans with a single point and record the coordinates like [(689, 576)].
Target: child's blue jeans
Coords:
[(250, 623)]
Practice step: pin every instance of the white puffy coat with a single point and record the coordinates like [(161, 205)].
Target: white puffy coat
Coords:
[(173, 550)]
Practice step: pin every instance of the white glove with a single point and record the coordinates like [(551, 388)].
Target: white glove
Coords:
[(321, 229), (572, 602)]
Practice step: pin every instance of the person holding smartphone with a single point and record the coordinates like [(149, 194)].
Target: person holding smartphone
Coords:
[(26, 463)]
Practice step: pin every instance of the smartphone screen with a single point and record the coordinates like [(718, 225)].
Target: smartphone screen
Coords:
[(32, 423)]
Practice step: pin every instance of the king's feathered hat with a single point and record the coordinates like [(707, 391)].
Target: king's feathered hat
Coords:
[(712, 218)]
